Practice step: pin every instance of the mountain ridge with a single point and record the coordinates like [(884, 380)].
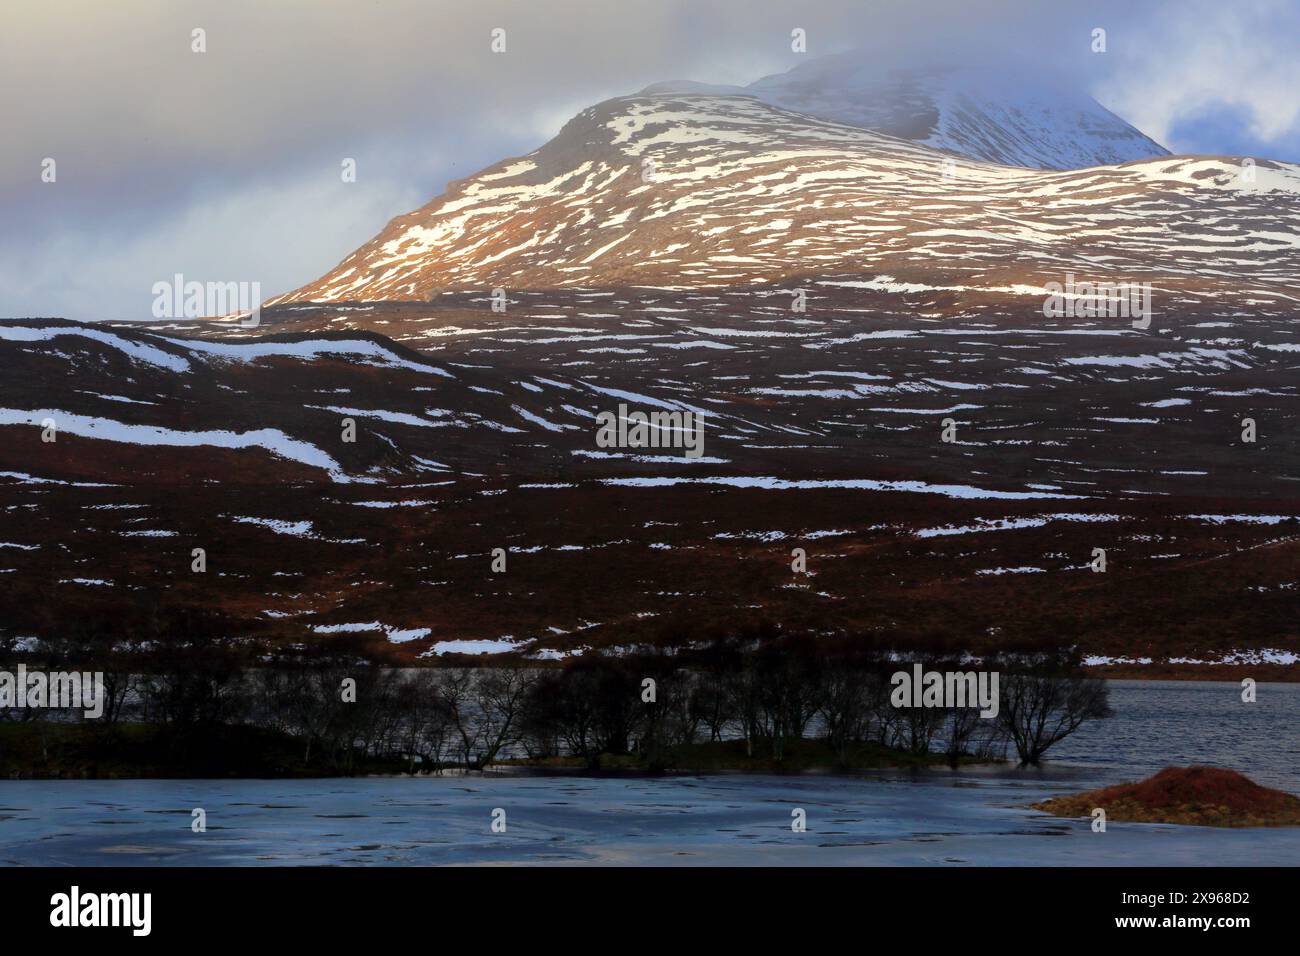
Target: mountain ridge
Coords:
[(700, 190)]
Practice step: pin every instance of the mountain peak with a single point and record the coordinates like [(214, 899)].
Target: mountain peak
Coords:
[(1013, 116), (717, 190)]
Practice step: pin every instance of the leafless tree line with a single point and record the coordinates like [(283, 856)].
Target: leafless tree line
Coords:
[(767, 691)]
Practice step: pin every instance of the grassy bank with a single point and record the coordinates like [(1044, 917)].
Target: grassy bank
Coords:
[(138, 750)]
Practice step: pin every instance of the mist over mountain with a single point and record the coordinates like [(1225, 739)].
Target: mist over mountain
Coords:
[(1010, 116)]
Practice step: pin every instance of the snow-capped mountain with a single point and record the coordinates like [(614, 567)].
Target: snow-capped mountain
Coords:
[(1013, 117), (708, 190), (352, 464)]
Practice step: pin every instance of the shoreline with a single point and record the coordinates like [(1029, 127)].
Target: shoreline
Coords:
[(1264, 673), (149, 751)]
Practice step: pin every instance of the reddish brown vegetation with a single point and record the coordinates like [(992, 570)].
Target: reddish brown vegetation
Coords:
[(1204, 796), (1200, 531)]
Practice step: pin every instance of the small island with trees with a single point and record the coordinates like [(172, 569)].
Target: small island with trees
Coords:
[(198, 705)]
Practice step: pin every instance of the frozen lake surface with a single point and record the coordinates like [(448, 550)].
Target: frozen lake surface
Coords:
[(936, 818), (887, 818)]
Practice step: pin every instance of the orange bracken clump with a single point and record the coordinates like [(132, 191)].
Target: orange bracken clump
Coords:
[(1203, 796)]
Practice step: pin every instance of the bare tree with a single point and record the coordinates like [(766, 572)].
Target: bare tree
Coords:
[(847, 698), (500, 694), (423, 726), (710, 702), (485, 709), (964, 724), (1045, 703), (457, 689)]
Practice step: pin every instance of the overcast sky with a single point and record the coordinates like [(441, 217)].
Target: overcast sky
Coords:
[(225, 165)]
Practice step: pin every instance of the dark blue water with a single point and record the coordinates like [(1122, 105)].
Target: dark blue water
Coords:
[(1159, 724)]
